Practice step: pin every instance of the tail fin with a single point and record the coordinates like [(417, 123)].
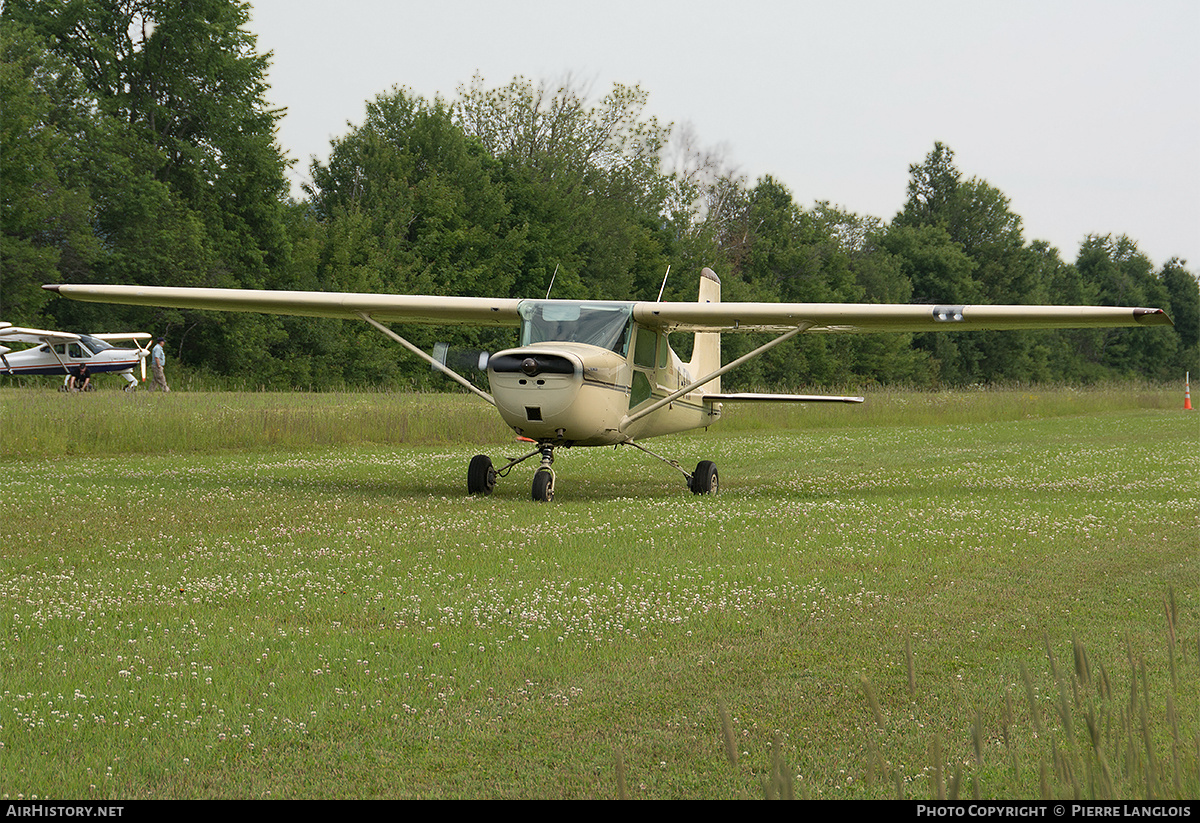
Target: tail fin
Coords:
[(706, 352)]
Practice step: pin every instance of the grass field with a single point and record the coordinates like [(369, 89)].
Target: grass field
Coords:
[(982, 593)]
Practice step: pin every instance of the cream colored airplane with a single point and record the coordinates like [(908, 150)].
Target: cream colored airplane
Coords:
[(602, 373)]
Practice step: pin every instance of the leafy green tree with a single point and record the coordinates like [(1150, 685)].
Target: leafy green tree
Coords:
[(1124, 276), (881, 277), (933, 190), (940, 272), (426, 191), (409, 204), (183, 174), (977, 218), (1184, 292), (185, 82), (936, 266), (776, 251), (46, 208), (1067, 354), (583, 180)]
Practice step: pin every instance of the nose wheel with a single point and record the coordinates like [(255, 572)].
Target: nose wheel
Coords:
[(543, 485), (543, 478)]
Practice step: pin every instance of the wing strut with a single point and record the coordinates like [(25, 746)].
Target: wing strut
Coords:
[(442, 367), (66, 368), (788, 335)]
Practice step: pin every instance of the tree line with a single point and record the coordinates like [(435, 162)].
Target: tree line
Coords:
[(138, 147)]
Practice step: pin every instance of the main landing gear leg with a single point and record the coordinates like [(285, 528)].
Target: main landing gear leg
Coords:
[(701, 481)]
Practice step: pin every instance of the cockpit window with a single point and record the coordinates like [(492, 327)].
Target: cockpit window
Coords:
[(72, 350), (598, 324), (95, 344)]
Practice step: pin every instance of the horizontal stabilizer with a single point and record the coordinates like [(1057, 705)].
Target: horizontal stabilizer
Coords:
[(759, 397)]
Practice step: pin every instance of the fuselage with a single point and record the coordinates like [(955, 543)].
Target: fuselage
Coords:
[(66, 358), (583, 369)]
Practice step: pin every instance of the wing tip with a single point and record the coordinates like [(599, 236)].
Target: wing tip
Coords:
[(51, 287), (1152, 317)]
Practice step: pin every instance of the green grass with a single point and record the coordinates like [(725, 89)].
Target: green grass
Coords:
[(45, 424), (272, 595), (39, 422)]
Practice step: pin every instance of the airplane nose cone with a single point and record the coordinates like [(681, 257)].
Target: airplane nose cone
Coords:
[(529, 366)]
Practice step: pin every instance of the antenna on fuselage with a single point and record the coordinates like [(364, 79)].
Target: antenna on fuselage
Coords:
[(664, 285), (552, 281)]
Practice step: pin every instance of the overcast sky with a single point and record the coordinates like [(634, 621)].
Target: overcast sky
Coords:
[(1085, 114)]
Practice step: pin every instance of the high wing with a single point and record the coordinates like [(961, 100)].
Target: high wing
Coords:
[(390, 308), (669, 316), (15, 334), (122, 336), (840, 318)]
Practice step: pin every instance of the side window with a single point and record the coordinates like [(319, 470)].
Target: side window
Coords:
[(663, 348), (645, 348)]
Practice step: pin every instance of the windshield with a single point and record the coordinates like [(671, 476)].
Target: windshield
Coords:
[(566, 321), (93, 343)]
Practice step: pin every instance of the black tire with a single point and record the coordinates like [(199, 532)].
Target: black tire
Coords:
[(704, 479), (543, 486), (481, 477)]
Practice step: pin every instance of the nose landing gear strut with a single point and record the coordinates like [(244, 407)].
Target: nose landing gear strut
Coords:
[(543, 478), (481, 474)]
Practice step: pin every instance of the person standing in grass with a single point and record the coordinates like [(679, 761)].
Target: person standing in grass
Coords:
[(158, 359)]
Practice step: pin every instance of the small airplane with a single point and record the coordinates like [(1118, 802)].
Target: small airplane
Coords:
[(602, 372), (64, 353)]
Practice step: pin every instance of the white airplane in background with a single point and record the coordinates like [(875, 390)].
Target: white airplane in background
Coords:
[(601, 372), (63, 353)]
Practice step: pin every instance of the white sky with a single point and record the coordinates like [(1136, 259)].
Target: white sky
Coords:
[(1085, 113)]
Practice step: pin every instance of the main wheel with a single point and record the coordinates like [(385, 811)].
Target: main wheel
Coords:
[(543, 485), (704, 479), (481, 477)]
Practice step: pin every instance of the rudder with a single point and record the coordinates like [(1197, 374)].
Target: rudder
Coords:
[(706, 351)]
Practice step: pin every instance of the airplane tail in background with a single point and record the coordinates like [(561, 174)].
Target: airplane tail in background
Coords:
[(706, 351)]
